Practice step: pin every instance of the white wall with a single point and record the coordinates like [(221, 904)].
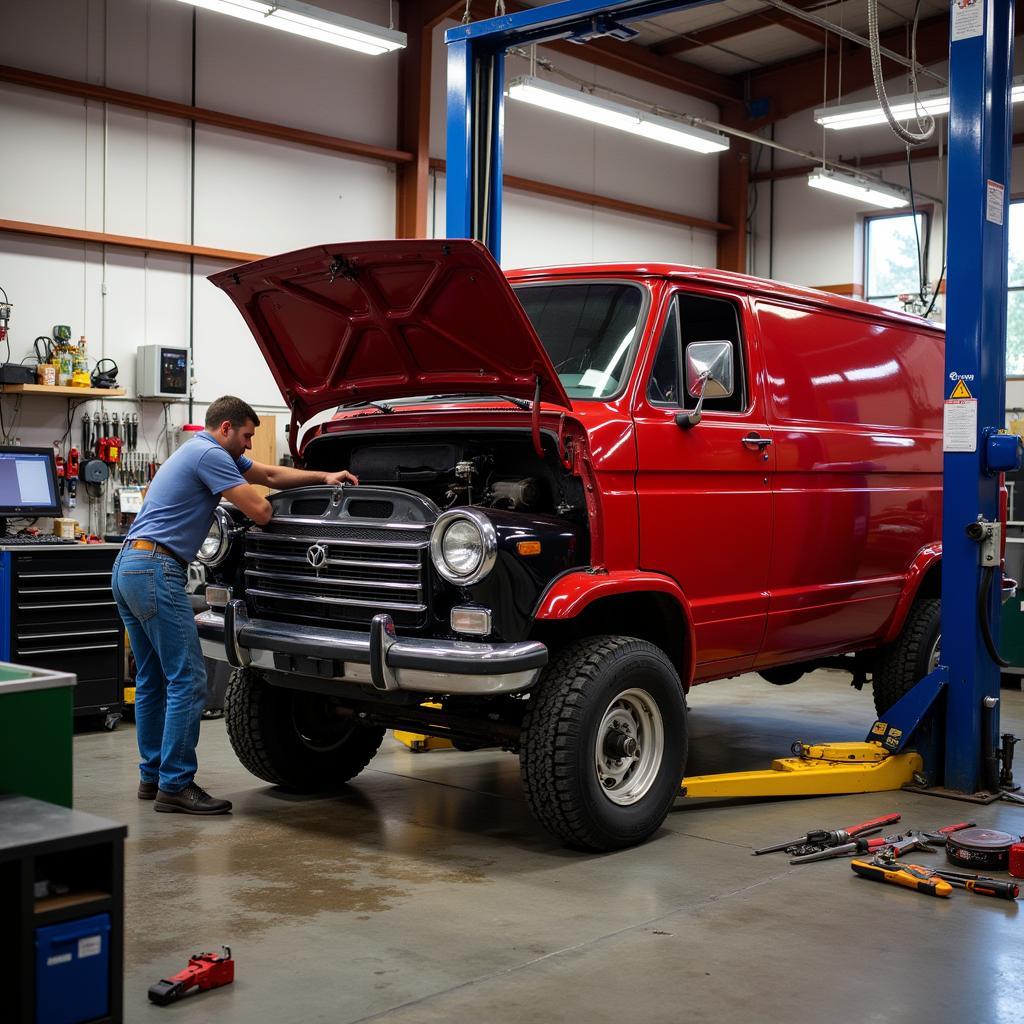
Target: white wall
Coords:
[(79, 164)]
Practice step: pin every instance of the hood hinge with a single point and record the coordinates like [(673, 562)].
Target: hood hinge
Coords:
[(537, 446)]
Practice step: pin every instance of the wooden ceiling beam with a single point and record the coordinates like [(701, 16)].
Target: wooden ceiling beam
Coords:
[(795, 85), (636, 61), (725, 30)]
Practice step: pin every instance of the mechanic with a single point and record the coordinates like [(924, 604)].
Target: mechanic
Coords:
[(149, 586)]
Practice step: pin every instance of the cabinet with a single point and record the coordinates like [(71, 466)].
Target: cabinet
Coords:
[(62, 616), (76, 851)]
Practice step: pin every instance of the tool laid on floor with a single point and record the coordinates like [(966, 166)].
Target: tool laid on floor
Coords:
[(981, 885), (205, 970), (892, 845), (983, 848), (913, 876), (821, 839)]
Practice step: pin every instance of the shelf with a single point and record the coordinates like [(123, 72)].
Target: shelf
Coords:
[(57, 391), (55, 909), (71, 899)]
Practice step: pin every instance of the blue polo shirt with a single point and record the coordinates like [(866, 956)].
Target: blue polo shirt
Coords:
[(180, 501)]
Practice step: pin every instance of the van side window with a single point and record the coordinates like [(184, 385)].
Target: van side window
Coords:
[(696, 318), (663, 388)]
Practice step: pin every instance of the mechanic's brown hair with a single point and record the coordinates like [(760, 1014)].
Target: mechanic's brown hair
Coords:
[(232, 409)]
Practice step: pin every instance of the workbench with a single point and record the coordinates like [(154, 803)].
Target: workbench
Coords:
[(58, 612)]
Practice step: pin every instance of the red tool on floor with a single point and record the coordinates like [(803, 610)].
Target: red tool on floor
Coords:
[(205, 970)]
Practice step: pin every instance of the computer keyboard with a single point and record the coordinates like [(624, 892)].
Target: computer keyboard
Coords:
[(39, 538)]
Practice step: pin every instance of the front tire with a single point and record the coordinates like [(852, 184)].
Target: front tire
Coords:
[(293, 739), (909, 658), (604, 743)]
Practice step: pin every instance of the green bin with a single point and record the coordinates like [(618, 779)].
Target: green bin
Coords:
[(36, 715)]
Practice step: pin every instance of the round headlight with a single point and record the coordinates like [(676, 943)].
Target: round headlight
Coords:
[(463, 546), (214, 548)]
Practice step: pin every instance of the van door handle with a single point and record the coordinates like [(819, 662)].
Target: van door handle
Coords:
[(755, 440)]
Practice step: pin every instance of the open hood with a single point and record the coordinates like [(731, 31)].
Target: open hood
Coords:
[(367, 321)]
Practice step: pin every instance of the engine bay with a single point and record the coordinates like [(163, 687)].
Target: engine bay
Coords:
[(500, 471)]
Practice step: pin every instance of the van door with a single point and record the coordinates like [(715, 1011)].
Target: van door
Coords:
[(855, 404), (703, 491)]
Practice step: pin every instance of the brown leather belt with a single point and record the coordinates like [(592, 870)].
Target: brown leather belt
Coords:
[(151, 545)]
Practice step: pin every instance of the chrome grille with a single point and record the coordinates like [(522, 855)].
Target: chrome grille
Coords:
[(368, 570)]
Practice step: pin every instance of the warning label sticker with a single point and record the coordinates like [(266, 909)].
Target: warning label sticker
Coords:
[(995, 196), (968, 19), (960, 391), (960, 425)]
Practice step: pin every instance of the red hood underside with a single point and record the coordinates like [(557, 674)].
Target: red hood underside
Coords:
[(368, 321)]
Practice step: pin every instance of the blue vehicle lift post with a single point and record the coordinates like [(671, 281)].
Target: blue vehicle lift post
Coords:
[(981, 63)]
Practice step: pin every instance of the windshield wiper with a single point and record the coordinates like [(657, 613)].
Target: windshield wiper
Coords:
[(520, 403)]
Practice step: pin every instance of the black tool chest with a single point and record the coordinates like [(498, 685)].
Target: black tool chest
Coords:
[(63, 618)]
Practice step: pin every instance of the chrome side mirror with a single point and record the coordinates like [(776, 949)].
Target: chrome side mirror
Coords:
[(709, 374)]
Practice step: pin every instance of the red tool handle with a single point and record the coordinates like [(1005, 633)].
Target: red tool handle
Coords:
[(957, 828), (866, 826)]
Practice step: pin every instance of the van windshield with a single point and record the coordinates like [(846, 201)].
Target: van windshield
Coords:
[(589, 330)]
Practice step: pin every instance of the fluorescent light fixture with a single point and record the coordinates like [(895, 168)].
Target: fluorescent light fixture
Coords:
[(867, 190), (303, 19), (615, 115), (859, 115)]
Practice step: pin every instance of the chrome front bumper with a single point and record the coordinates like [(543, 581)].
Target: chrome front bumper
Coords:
[(379, 658)]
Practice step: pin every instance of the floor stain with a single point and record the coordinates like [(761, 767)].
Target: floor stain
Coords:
[(262, 867)]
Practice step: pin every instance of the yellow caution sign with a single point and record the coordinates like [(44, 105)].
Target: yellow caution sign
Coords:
[(960, 391)]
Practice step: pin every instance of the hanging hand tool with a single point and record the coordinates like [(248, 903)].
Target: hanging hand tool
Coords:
[(913, 876), (96, 435), (105, 420), (71, 473), (86, 433), (135, 430), (822, 839), (113, 426), (207, 970), (982, 885)]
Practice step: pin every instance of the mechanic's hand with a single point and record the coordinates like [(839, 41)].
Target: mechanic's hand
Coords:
[(343, 476)]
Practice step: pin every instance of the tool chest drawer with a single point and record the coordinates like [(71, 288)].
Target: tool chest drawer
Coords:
[(63, 617)]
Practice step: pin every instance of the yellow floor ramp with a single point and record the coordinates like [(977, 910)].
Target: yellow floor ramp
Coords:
[(817, 769)]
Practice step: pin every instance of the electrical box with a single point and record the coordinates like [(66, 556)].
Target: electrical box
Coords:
[(162, 371)]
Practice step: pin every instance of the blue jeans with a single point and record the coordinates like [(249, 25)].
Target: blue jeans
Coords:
[(170, 677)]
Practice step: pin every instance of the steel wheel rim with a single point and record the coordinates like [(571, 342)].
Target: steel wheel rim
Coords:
[(935, 654), (632, 715)]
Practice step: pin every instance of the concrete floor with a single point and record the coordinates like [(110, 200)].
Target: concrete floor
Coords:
[(426, 892)]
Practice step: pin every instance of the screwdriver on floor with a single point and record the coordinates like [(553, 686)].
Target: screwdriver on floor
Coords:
[(981, 885), (825, 838), (912, 876)]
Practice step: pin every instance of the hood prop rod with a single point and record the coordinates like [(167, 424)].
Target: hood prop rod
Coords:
[(537, 446)]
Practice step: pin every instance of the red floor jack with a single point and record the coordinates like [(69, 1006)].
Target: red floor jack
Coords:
[(207, 970)]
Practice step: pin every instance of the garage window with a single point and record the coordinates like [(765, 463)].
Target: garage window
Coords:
[(1015, 302), (891, 246)]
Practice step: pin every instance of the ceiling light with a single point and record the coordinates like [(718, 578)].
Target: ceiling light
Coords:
[(867, 190), (312, 22), (615, 115), (858, 115)]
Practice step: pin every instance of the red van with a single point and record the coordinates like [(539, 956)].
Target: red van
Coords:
[(582, 490)]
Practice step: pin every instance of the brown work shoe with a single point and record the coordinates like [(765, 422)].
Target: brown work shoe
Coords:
[(147, 790), (193, 799)]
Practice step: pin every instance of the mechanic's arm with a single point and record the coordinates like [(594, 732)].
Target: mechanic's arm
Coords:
[(248, 500), (283, 477)]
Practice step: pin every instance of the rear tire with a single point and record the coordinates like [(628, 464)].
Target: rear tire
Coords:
[(291, 739), (598, 699), (913, 654)]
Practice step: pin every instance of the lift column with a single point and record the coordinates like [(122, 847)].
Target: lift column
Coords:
[(980, 77)]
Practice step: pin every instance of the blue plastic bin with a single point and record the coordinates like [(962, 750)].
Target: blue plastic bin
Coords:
[(73, 971)]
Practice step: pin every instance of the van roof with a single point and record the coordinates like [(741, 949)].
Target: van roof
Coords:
[(738, 282)]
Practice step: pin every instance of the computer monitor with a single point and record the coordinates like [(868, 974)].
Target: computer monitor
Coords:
[(28, 483)]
